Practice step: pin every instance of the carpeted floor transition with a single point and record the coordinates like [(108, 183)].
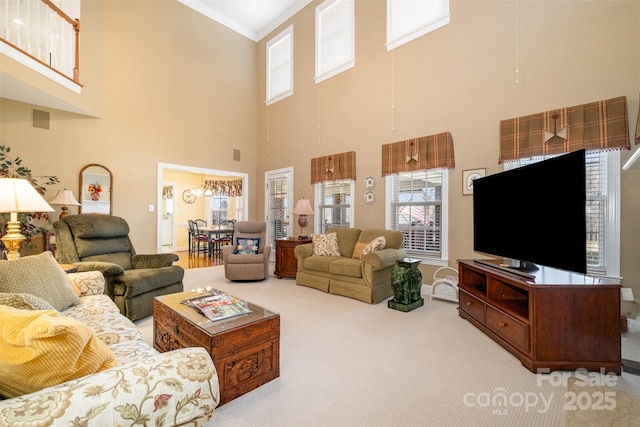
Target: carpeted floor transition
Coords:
[(347, 363)]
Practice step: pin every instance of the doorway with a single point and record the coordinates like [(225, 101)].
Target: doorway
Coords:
[(278, 204), (183, 177)]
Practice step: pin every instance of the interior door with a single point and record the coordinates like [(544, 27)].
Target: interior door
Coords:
[(279, 201)]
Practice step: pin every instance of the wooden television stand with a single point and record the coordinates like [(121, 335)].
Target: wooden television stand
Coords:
[(556, 321)]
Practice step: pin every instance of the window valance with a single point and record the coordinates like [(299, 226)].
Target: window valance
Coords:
[(427, 152), (333, 167), (231, 188), (601, 125)]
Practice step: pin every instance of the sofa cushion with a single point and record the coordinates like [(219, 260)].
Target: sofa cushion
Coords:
[(347, 238), (318, 263), (98, 246), (143, 280), (24, 301), (357, 250), (325, 244), (346, 267), (394, 238), (39, 275), (376, 244), (100, 226), (39, 348), (247, 246)]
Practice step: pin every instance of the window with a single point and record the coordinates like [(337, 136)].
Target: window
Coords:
[(409, 19), (280, 66), (333, 204), (219, 209), (602, 210), (335, 49), (416, 206)]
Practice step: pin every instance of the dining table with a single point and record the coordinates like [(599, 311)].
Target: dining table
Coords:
[(214, 232)]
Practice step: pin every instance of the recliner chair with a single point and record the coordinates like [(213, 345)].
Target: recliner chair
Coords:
[(101, 242), (246, 267)]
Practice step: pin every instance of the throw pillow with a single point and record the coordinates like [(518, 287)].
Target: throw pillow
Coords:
[(247, 245), (375, 245), (38, 275), (40, 348), (325, 244), (24, 301), (357, 250)]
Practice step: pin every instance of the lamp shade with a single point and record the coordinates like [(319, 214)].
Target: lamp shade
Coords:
[(64, 197), (18, 195), (303, 207)]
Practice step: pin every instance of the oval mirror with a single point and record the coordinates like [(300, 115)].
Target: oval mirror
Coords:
[(96, 187)]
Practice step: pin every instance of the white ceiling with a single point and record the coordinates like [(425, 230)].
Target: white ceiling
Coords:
[(251, 18)]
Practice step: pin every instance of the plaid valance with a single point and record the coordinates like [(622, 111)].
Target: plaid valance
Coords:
[(333, 167), (602, 125), (427, 152)]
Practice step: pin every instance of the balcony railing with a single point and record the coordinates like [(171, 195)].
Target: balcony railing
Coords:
[(42, 31)]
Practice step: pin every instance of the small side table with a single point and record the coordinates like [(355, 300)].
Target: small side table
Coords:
[(406, 281), (286, 262)]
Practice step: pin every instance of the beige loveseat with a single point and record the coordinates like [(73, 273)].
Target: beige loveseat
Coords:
[(367, 279)]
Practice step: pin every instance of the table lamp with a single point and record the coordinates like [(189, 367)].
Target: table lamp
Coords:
[(303, 208), (64, 198), (18, 195)]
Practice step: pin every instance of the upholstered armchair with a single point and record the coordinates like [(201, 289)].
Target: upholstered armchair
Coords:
[(241, 264), (101, 242)]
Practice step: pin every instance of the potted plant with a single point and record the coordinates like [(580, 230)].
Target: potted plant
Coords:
[(31, 223)]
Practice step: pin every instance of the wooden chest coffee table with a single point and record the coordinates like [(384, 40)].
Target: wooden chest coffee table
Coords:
[(245, 349)]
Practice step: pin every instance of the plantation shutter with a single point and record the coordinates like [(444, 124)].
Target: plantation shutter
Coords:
[(410, 19), (280, 66), (600, 126), (335, 46)]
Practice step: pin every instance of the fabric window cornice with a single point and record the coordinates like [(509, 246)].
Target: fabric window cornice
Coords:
[(224, 188), (427, 152), (597, 126), (333, 167)]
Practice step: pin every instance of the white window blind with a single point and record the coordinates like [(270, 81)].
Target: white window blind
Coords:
[(410, 19), (416, 203), (280, 66), (602, 210), (333, 204), (335, 51)]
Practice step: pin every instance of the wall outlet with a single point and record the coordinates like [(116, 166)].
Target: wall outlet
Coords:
[(152, 208)]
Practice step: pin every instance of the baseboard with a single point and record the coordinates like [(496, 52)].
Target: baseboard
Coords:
[(631, 366)]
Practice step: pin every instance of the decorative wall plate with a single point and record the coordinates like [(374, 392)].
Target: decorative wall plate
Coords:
[(369, 183), (369, 197)]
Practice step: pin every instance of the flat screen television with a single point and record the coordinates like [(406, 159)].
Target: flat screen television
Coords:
[(534, 214)]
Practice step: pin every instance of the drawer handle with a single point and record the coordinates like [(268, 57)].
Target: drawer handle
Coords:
[(502, 324), (469, 304), (175, 328)]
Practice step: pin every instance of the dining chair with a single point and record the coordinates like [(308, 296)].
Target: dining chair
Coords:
[(199, 241), (224, 237)]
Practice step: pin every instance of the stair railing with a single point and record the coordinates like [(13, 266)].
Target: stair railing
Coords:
[(42, 31)]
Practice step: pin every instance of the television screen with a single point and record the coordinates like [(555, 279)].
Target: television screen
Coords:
[(535, 213)]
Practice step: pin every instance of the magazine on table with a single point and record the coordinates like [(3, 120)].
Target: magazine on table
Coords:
[(218, 306)]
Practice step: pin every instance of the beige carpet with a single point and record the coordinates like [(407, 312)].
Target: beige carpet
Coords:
[(347, 363)]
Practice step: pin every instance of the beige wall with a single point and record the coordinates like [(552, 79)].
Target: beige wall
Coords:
[(173, 93), (190, 93), (460, 78)]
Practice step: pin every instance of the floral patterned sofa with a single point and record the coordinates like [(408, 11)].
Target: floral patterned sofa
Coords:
[(147, 388)]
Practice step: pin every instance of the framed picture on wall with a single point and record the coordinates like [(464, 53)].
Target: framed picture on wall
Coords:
[(467, 179)]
